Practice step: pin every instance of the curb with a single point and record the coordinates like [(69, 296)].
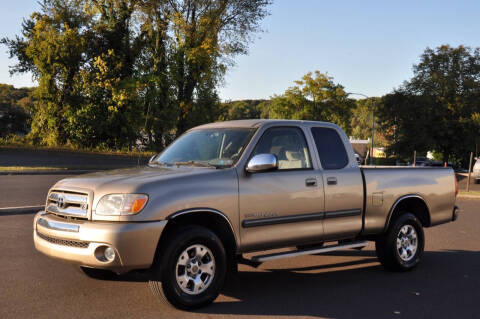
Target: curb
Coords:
[(20, 210)]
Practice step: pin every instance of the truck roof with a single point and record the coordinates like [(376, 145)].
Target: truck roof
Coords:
[(256, 123)]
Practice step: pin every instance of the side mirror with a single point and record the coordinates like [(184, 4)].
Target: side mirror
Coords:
[(262, 163)]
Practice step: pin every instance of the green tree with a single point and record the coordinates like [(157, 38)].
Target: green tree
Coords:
[(361, 119), (406, 123), (15, 108), (242, 110), (207, 35), (112, 73), (316, 97), (437, 109), (51, 48)]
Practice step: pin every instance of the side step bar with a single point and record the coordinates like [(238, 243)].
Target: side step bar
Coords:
[(309, 251)]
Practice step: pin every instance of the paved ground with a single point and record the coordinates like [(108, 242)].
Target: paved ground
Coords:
[(25, 190), (346, 284), (462, 183)]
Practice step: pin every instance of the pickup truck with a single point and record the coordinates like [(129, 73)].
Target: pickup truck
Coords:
[(228, 188)]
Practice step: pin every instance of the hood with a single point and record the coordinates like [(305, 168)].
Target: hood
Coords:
[(129, 179)]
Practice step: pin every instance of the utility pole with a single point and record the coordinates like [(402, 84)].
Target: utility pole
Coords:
[(469, 171), (373, 130)]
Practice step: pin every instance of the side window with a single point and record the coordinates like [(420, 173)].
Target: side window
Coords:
[(288, 144), (330, 148)]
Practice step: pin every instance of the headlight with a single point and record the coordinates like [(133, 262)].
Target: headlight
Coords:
[(121, 204)]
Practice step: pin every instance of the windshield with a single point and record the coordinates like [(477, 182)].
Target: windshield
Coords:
[(209, 147)]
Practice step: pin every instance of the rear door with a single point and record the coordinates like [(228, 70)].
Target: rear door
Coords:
[(343, 184), (286, 205)]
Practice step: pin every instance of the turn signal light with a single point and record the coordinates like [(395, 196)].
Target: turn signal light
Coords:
[(138, 204)]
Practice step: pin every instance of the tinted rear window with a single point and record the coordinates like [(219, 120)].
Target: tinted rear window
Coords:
[(330, 148)]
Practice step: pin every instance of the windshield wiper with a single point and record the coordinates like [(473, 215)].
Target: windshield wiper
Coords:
[(159, 164), (195, 163)]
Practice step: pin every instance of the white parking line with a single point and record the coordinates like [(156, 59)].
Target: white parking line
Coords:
[(22, 207)]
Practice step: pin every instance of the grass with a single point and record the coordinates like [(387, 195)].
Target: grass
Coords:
[(23, 145), (470, 193), (28, 168)]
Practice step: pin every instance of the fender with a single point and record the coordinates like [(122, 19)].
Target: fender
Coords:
[(204, 210), (398, 201)]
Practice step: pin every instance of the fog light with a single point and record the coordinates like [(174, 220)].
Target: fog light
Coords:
[(109, 254)]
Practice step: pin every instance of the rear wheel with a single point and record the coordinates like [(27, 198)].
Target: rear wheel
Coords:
[(401, 247), (192, 268)]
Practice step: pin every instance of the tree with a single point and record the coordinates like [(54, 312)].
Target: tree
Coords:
[(51, 48), (113, 73), (15, 108), (316, 97), (207, 35), (361, 119), (437, 109), (406, 124), (242, 110)]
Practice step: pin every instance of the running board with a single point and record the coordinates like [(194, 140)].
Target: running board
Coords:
[(309, 251)]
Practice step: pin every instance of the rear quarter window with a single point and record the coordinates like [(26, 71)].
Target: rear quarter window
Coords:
[(331, 149)]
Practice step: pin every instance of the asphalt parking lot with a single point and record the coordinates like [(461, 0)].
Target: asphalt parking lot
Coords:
[(347, 284)]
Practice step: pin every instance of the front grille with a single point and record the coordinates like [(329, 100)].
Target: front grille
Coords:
[(64, 242), (70, 204)]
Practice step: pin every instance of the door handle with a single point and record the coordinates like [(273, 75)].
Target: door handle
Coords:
[(311, 182), (331, 181)]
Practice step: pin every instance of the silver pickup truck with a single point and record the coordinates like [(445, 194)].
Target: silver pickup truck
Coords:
[(225, 189)]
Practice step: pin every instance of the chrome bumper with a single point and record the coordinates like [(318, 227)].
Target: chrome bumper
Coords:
[(82, 242)]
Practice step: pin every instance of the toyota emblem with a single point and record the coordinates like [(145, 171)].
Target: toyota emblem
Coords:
[(61, 202)]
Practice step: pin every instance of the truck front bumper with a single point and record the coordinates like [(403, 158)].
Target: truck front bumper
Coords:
[(84, 242)]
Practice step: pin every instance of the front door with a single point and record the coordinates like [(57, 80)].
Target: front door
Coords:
[(286, 205)]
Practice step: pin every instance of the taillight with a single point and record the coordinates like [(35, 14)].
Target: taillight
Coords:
[(456, 185)]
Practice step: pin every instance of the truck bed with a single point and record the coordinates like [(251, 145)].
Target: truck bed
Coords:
[(384, 186)]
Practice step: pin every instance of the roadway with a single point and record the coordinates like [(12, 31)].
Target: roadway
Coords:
[(25, 190), (348, 284)]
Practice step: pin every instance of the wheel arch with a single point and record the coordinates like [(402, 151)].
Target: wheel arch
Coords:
[(412, 203), (209, 218)]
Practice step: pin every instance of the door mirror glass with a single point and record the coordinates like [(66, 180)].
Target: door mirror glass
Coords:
[(262, 163)]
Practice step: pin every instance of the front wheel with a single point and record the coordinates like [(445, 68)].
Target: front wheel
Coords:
[(192, 268), (401, 247)]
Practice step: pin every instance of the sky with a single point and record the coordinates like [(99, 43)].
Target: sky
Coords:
[(369, 47)]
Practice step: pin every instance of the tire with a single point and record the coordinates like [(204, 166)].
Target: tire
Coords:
[(99, 274), (183, 277), (401, 247)]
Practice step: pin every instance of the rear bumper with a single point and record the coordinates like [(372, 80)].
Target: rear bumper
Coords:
[(455, 213), (83, 242)]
